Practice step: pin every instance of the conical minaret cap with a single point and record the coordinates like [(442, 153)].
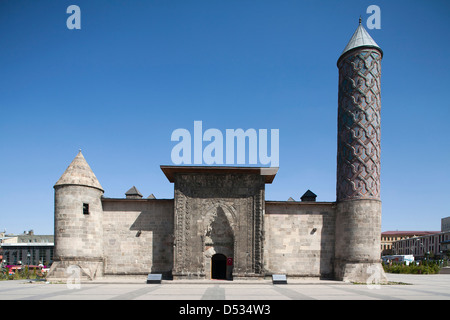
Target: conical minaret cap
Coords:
[(79, 173), (361, 38)]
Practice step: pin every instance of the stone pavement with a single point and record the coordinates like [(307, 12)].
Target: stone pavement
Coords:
[(418, 287)]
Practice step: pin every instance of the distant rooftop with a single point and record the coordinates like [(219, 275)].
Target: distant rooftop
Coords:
[(27, 238), (308, 196), (405, 233), (133, 193)]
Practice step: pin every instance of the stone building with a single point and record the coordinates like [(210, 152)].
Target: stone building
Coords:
[(219, 224)]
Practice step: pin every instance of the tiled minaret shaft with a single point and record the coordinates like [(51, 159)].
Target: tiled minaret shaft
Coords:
[(359, 105)]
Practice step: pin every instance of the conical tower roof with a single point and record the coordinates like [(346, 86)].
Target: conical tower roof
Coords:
[(79, 173), (361, 38), (133, 193)]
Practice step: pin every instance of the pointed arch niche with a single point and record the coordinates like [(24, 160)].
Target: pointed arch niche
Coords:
[(218, 238)]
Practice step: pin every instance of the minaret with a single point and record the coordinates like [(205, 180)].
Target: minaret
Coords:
[(78, 222), (358, 216)]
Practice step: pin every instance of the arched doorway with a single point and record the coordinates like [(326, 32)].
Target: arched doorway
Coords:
[(219, 266)]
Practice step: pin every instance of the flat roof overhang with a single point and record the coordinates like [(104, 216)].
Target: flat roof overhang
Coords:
[(268, 172)]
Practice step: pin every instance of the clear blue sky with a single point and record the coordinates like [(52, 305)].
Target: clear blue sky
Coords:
[(137, 70)]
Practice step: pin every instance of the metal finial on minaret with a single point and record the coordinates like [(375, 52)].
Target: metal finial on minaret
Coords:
[(359, 19)]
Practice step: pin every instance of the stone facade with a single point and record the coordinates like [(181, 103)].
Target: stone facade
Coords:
[(299, 238), (215, 211), (138, 236), (357, 248), (218, 213)]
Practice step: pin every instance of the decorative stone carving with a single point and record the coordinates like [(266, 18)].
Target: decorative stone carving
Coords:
[(218, 213)]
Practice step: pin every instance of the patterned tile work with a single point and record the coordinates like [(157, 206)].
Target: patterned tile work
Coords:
[(358, 159)]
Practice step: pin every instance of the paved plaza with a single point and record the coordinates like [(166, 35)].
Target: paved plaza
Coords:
[(412, 287)]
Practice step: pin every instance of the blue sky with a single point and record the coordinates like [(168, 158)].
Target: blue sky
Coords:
[(138, 70)]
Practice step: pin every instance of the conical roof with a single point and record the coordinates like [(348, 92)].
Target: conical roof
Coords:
[(79, 173), (133, 192), (308, 196), (361, 38)]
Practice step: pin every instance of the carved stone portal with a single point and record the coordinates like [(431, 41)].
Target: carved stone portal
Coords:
[(218, 212)]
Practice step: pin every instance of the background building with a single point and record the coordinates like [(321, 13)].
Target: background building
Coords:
[(433, 245), (445, 224), (27, 249), (389, 237)]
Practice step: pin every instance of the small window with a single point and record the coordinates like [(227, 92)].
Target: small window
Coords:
[(85, 208)]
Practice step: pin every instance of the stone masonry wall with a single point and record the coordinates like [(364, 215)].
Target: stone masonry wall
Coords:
[(138, 236), (299, 239), (77, 235)]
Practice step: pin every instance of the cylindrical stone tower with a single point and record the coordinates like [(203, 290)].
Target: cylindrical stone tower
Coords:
[(78, 223), (358, 216)]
